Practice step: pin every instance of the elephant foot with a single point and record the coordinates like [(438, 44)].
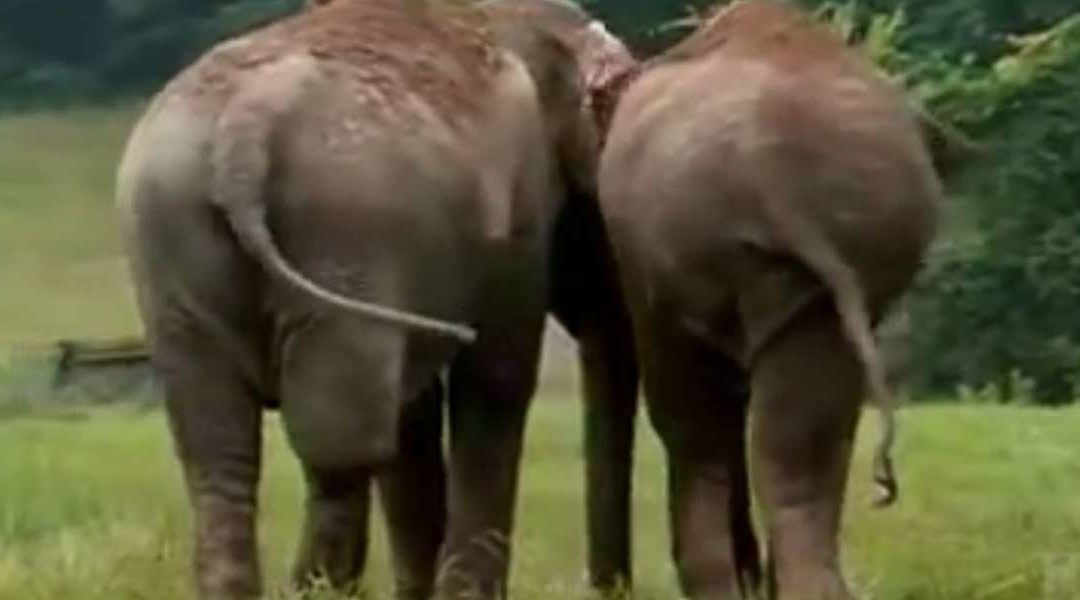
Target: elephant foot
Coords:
[(721, 593), (226, 563), (475, 570), (820, 585)]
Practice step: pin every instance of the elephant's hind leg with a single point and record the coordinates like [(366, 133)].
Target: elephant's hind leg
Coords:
[(413, 493), (340, 388), (334, 541), (806, 389), (697, 402), (215, 420), (491, 385)]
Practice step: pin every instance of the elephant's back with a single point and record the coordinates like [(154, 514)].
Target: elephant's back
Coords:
[(838, 149), (705, 154), (405, 169)]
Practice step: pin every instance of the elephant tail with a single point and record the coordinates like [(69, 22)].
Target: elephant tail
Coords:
[(810, 245), (241, 163)]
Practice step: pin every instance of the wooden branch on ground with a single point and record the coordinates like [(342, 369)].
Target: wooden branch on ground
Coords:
[(98, 353)]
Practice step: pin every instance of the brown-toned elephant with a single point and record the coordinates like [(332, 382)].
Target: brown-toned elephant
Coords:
[(584, 293), (325, 215), (768, 196)]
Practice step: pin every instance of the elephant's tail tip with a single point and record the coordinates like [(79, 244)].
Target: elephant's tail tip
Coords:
[(888, 488)]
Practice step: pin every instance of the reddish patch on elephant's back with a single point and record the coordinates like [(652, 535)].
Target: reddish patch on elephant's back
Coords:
[(604, 100), (767, 30), (440, 52)]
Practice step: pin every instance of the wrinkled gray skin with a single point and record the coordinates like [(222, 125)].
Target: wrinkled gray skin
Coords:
[(326, 231), (768, 197)]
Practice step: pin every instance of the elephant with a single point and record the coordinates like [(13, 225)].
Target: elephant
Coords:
[(768, 196), (584, 295), (349, 215)]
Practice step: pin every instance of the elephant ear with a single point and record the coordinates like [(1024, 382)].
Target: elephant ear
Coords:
[(566, 105), (604, 98), (950, 149), (554, 69), (608, 69)]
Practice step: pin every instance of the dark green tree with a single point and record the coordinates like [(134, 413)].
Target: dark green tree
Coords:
[(1001, 295), (78, 50)]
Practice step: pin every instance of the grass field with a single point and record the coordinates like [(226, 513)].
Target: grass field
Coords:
[(91, 508), (60, 268), (91, 505)]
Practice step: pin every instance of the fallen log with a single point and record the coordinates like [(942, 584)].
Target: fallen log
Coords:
[(93, 354)]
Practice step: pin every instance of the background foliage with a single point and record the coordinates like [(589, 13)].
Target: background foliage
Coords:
[(1000, 301), (997, 309), (76, 50)]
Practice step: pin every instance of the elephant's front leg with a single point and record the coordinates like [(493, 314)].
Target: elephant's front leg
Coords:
[(334, 541), (807, 386), (215, 421), (491, 386), (609, 377), (413, 494), (587, 301)]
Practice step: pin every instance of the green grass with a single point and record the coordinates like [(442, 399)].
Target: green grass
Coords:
[(61, 274), (93, 508)]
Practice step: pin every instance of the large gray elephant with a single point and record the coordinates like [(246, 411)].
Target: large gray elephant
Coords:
[(327, 214), (768, 196), (584, 294)]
